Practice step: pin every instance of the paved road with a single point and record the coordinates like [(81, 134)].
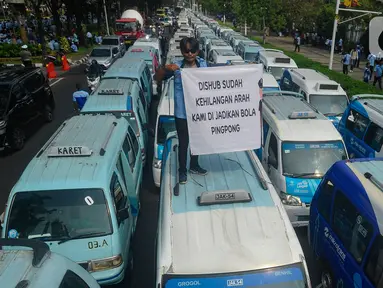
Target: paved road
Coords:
[(12, 166)]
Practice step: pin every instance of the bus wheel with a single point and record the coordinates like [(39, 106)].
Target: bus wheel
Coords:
[(326, 279)]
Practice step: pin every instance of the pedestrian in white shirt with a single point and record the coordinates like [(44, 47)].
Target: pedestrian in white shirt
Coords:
[(90, 38)]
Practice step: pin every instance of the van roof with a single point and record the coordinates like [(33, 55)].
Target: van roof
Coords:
[(226, 237), (370, 105), (316, 82), (277, 110), (277, 59), (369, 190), (49, 171), (166, 104), (225, 52), (125, 67), (141, 52), (115, 86), (269, 80), (21, 265)]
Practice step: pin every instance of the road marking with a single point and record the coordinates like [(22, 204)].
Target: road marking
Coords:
[(52, 83)]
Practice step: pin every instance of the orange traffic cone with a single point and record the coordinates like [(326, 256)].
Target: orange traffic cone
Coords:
[(51, 70), (65, 66)]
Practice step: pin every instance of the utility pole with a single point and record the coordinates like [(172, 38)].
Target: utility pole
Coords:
[(106, 19)]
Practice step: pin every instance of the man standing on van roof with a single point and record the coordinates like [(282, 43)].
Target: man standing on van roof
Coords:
[(190, 49)]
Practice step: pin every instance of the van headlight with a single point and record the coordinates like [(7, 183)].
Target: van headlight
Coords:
[(106, 264), (157, 163), (290, 200)]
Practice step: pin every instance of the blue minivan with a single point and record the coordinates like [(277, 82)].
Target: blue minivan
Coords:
[(361, 126), (134, 69), (346, 224), (122, 97), (80, 195)]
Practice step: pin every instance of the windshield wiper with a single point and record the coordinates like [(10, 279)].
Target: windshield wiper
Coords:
[(303, 174), (94, 234)]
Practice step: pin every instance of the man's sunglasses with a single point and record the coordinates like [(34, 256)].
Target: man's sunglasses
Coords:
[(192, 50)]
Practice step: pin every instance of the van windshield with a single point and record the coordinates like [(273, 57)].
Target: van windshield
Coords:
[(250, 56), (292, 276), (166, 124), (100, 53), (329, 105), (58, 214), (310, 159)]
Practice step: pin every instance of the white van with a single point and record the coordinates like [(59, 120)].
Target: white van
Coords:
[(275, 62), (39, 267), (324, 94), (151, 42), (165, 124), (269, 83), (225, 229), (299, 146), (222, 56)]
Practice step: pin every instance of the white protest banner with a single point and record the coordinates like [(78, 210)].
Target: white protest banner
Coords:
[(222, 107)]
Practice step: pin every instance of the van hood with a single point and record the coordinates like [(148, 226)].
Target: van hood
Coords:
[(82, 250)]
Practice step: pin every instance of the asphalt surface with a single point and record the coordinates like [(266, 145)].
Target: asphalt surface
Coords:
[(12, 165)]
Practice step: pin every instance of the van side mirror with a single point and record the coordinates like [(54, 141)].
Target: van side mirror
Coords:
[(272, 161), (123, 214)]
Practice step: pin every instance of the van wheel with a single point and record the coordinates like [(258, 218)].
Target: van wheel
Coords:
[(326, 279), (48, 114), (17, 139)]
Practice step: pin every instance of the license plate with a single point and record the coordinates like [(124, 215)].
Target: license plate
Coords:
[(128, 41)]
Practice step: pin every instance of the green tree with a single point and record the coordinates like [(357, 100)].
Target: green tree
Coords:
[(325, 20)]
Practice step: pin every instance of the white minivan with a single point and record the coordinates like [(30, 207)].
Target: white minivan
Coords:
[(275, 62), (299, 146), (151, 42), (165, 124), (225, 229)]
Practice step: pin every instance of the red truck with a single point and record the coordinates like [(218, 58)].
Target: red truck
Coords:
[(130, 26)]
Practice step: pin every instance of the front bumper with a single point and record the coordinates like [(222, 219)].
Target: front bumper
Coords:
[(299, 215)]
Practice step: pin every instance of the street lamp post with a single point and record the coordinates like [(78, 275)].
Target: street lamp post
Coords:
[(106, 19)]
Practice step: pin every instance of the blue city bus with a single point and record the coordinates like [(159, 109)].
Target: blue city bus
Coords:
[(345, 228), (361, 126)]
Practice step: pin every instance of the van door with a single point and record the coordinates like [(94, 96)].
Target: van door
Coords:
[(149, 81), (270, 158), (122, 213), (128, 162)]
